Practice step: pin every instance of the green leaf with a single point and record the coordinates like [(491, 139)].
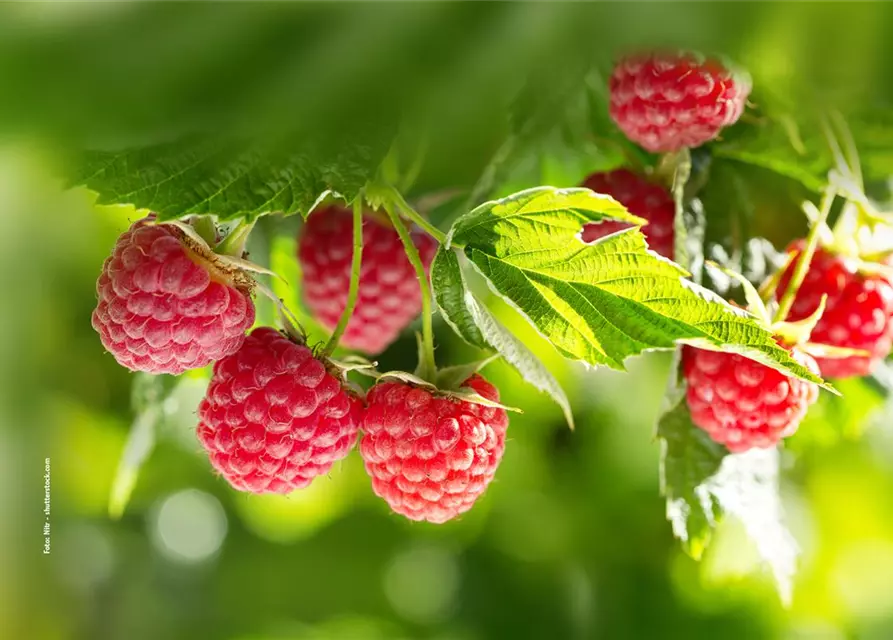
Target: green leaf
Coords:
[(147, 398), (702, 482), (604, 301), (688, 459), (794, 144), (453, 377), (204, 176), (796, 149), (477, 326), (873, 133), (451, 294)]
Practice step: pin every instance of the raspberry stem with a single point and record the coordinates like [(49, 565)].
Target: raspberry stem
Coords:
[(416, 217), (234, 243), (427, 368), (354, 286), (204, 226), (805, 257)]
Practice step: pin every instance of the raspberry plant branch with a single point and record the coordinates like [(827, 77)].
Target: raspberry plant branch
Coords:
[(354, 286), (416, 217), (812, 241), (681, 162), (427, 367)]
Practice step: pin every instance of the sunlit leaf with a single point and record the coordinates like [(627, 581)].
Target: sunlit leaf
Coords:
[(605, 301)]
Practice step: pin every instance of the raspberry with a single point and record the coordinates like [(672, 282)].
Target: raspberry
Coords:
[(163, 307), (431, 457), (389, 296), (273, 418), (665, 102), (743, 404), (858, 313), (642, 198)]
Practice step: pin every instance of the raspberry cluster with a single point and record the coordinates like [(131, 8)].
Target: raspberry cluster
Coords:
[(165, 308), (642, 198), (389, 295)]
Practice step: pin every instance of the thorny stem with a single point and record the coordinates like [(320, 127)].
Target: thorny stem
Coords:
[(234, 243), (416, 217), (805, 257), (427, 368), (354, 287)]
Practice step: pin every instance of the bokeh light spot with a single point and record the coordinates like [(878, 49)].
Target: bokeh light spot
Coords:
[(422, 584), (188, 526)]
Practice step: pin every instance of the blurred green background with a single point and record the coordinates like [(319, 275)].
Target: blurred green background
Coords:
[(571, 540)]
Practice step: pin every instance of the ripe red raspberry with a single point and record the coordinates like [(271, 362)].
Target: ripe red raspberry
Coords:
[(858, 313), (665, 102), (743, 404), (642, 198), (164, 307), (389, 296), (273, 418), (431, 457)]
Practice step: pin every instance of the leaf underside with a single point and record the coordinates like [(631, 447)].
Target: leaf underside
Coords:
[(477, 326), (702, 481), (231, 180)]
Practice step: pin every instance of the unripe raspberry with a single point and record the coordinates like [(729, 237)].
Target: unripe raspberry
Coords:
[(858, 313), (665, 102), (389, 294), (274, 418), (166, 307), (642, 198), (743, 404), (431, 457)]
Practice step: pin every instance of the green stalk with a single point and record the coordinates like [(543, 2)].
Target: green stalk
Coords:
[(234, 243), (416, 217), (204, 226), (427, 368), (812, 242), (354, 287)]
